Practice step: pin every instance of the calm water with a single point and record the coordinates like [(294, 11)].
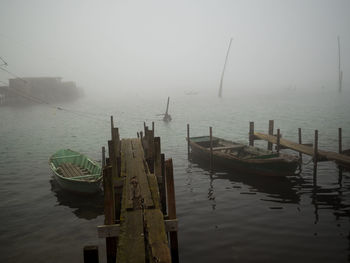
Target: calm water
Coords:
[(223, 216)]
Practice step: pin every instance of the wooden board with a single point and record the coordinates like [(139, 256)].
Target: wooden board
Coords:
[(70, 170), (331, 156)]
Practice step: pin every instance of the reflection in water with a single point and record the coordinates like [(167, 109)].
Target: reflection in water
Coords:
[(278, 189), (211, 194), (84, 206)]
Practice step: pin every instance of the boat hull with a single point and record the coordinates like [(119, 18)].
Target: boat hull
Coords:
[(66, 167), (82, 187), (266, 167)]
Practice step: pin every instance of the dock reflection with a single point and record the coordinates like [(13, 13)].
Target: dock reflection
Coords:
[(83, 206)]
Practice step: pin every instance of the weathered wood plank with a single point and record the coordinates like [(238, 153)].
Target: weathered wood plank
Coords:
[(156, 236), (331, 156), (131, 245)]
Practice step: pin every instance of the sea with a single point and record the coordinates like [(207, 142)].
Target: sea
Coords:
[(224, 216)]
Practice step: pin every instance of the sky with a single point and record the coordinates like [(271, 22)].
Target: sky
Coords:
[(147, 46)]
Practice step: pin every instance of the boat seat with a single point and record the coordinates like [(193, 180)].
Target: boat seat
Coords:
[(233, 147), (70, 170)]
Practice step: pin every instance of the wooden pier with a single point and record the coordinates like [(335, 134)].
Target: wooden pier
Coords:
[(307, 149), (140, 208)]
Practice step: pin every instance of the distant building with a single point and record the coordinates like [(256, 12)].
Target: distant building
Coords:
[(39, 90)]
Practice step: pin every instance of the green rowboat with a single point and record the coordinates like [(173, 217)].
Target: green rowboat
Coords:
[(243, 158), (76, 172)]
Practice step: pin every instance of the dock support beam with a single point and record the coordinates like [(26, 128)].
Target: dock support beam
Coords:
[(251, 133), (211, 147), (91, 254)]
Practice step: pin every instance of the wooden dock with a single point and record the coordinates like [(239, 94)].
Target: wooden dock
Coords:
[(139, 201), (305, 149)]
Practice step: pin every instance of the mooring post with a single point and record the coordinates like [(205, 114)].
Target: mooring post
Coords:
[(300, 142), (157, 164), (211, 147), (278, 140), (91, 254), (251, 133), (340, 140), (163, 190), (109, 211), (315, 157), (340, 146), (269, 144), (153, 127), (103, 156), (188, 140), (171, 209), (112, 125)]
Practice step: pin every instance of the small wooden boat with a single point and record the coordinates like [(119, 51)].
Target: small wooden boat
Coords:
[(75, 172), (243, 158), (345, 166)]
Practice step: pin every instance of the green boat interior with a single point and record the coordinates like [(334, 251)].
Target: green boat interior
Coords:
[(74, 166)]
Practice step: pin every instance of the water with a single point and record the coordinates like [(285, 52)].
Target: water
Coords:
[(223, 217)]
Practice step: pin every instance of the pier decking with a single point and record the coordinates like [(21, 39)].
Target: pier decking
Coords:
[(139, 201)]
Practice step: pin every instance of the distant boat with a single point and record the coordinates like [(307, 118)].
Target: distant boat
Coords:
[(243, 158), (167, 116), (75, 172)]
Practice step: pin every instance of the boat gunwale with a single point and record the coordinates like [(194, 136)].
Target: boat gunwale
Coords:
[(54, 169)]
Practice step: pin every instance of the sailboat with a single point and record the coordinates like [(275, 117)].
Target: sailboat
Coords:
[(167, 116)]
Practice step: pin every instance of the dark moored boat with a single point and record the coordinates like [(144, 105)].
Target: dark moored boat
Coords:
[(243, 158)]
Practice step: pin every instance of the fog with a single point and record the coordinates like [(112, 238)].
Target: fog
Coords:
[(152, 46)]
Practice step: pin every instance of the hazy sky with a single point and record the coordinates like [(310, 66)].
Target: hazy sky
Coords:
[(149, 45)]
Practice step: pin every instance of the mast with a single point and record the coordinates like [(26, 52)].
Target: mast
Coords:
[(223, 71), (340, 77), (167, 107)]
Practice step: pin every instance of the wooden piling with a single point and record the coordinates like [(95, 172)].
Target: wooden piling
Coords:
[(109, 211), (211, 147), (251, 133), (278, 140), (163, 189), (300, 142), (188, 140), (271, 124), (103, 157), (315, 157), (91, 254), (171, 209), (340, 146)]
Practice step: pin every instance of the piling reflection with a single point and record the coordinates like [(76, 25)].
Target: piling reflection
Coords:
[(83, 206)]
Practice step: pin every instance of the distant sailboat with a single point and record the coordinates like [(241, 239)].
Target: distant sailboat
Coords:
[(167, 116), (223, 71)]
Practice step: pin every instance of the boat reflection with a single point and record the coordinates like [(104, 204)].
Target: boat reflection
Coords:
[(83, 206), (277, 189)]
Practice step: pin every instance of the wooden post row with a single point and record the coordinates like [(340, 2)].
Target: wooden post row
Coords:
[(300, 142)]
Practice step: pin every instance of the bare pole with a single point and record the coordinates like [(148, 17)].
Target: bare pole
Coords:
[(340, 80), (223, 71)]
